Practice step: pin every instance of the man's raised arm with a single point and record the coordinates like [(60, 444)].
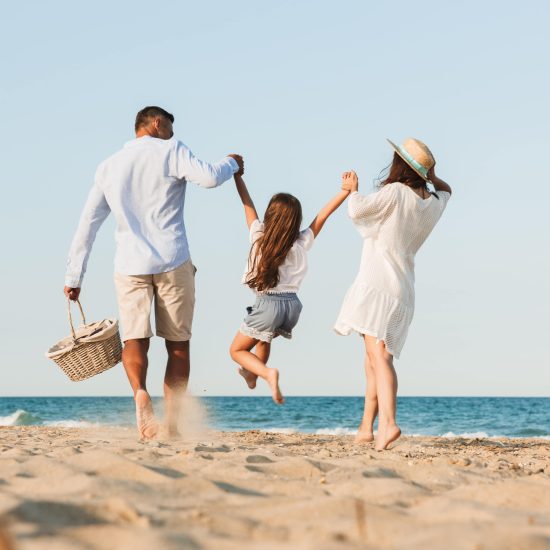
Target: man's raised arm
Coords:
[(190, 168)]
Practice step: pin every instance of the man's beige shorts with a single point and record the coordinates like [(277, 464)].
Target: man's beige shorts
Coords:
[(174, 293)]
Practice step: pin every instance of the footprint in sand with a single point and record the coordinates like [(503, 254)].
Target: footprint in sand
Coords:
[(206, 449), (380, 472), (258, 459)]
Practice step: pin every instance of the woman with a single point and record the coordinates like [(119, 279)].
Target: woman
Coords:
[(394, 223)]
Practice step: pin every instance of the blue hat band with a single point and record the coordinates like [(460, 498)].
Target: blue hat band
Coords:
[(422, 169)]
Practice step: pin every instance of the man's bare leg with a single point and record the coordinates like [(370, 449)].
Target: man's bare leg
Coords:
[(176, 379), (261, 351), (241, 354), (134, 359)]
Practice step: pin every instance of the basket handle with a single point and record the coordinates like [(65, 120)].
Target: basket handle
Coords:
[(71, 317)]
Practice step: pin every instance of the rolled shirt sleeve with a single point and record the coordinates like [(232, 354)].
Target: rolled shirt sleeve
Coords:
[(186, 166), (94, 214)]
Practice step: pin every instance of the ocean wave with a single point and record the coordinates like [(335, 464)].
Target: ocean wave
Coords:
[(24, 418), (286, 431), (485, 435), (71, 424), (336, 431), (478, 435), (20, 418)]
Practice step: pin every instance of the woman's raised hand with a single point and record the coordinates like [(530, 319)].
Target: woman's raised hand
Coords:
[(350, 181)]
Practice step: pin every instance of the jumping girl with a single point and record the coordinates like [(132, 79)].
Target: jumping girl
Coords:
[(277, 264)]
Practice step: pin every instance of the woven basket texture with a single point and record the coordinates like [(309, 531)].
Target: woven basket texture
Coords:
[(88, 352), (88, 359)]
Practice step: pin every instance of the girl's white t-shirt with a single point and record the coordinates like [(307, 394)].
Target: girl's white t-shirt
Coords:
[(293, 270)]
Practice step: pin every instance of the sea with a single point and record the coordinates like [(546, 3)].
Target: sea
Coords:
[(482, 417)]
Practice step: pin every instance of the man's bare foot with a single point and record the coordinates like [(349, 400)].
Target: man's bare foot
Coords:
[(249, 377), (273, 381), (387, 436), (171, 431), (145, 417)]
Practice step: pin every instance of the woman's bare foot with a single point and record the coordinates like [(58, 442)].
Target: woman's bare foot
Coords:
[(249, 377), (273, 381), (387, 436), (364, 435), (145, 417)]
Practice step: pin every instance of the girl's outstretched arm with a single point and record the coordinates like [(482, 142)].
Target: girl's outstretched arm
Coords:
[(249, 209), (327, 210)]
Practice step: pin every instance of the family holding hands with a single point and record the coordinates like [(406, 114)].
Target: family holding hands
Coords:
[(144, 184)]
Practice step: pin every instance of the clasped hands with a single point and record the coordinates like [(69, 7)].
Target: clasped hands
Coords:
[(239, 160), (350, 182)]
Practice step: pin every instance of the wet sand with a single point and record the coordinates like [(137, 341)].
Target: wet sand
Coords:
[(102, 489)]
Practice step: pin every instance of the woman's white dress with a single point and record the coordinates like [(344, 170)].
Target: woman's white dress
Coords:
[(394, 223)]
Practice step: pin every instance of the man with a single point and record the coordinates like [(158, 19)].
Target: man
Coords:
[(143, 185)]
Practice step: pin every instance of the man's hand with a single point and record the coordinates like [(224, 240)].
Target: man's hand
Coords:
[(240, 162), (350, 182), (72, 293)]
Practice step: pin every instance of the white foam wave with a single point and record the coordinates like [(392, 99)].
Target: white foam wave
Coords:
[(336, 431), (70, 424), (475, 435), (286, 431), (24, 418), (19, 418)]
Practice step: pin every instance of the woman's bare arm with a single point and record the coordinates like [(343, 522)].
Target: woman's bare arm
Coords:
[(438, 183), (249, 209)]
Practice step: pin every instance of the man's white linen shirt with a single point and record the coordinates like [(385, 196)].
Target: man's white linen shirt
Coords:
[(143, 185)]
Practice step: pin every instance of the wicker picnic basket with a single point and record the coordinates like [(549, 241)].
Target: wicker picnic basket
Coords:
[(89, 350)]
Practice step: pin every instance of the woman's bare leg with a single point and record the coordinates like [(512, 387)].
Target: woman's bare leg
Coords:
[(365, 433), (386, 389), (261, 351), (241, 354)]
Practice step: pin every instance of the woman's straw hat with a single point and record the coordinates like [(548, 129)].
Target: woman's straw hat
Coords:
[(417, 155)]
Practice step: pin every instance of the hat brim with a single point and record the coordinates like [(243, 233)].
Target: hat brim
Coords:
[(398, 151)]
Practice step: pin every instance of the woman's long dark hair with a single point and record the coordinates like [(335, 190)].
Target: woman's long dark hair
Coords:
[(282, 221), (400, 171)]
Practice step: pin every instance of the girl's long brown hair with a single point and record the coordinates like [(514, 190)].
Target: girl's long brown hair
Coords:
[(400, 171), (282, 221)]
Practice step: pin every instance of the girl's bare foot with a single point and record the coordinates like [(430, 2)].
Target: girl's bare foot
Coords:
[(249, 377), (273, 381), (145, 417), (387, 436)]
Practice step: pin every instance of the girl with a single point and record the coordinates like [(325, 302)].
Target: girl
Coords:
[(277, 264), (394, 223)]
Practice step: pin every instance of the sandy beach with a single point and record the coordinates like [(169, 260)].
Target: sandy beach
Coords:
[(102, 489)]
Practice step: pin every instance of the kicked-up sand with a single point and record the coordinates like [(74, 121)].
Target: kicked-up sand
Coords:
[(103, 489)]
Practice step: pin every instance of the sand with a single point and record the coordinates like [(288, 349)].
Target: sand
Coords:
[(102, 489)]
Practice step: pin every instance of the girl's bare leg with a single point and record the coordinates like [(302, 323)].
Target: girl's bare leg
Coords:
[(261, 351), (386, 389), (241, 354), (365, 433)]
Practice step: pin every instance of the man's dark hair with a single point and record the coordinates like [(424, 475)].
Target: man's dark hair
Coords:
[(147, 114)]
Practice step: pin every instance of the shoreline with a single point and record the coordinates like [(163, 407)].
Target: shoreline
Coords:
[(100, 488), (337, 431)]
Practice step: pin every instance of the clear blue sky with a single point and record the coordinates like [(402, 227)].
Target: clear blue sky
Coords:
[(304, 90)]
